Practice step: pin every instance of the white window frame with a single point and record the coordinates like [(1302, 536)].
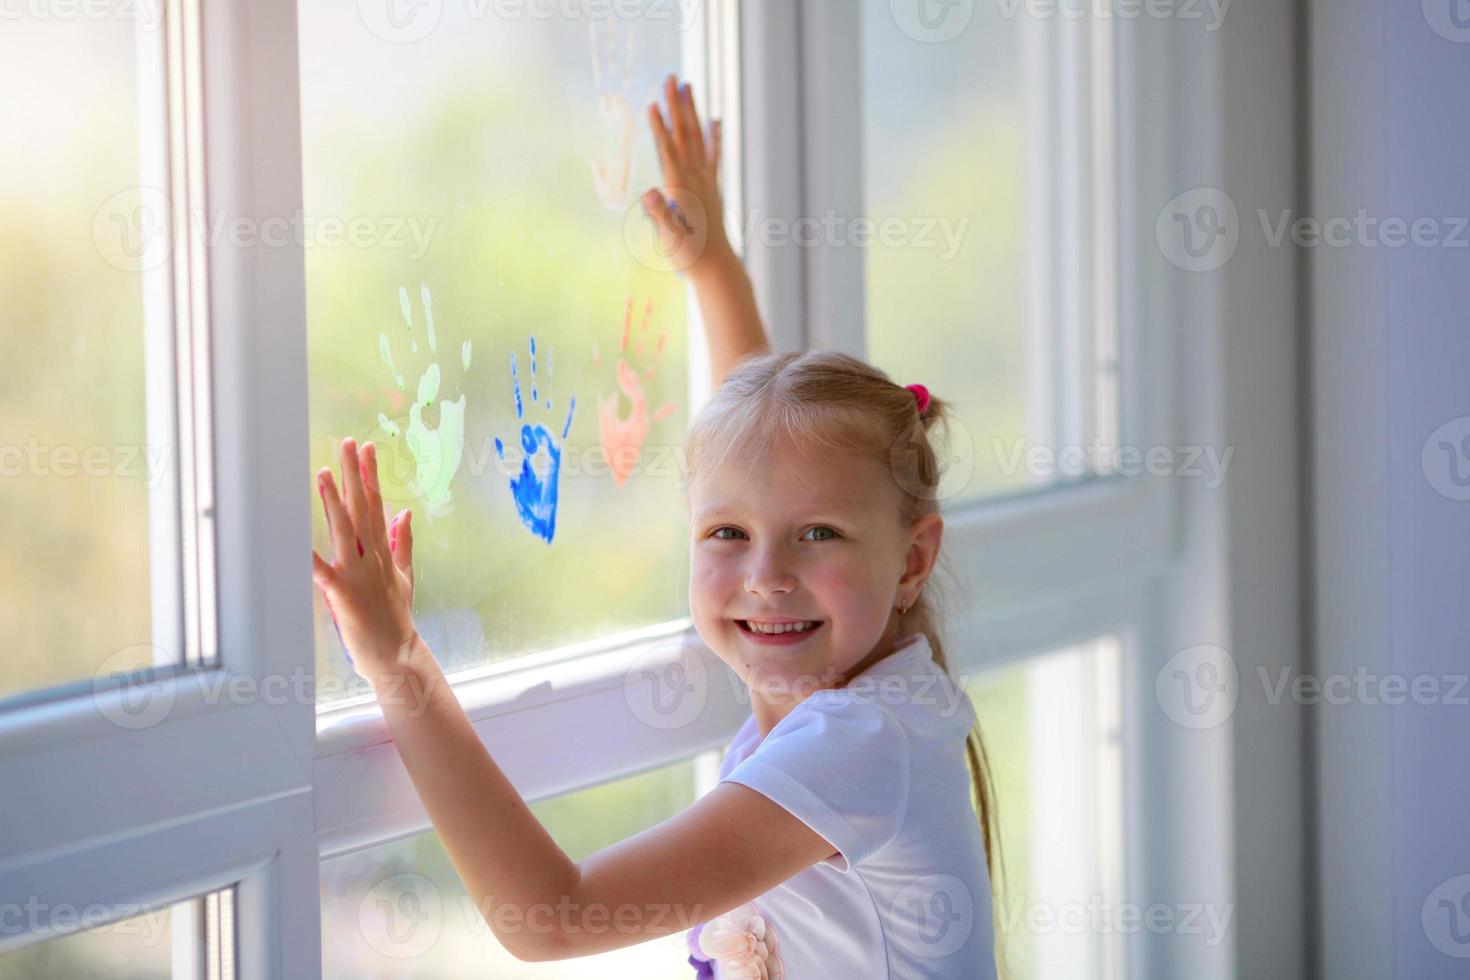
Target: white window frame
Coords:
[(258, 794), (217, 792)]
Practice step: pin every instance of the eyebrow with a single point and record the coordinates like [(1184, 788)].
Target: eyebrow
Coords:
[(729, 507)]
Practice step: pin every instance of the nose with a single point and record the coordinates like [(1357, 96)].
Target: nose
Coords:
[(769, 572)]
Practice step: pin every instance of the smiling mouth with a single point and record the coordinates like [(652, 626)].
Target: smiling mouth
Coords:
[(817, 624)]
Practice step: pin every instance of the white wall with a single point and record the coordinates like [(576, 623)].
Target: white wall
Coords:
[(1390, 364)]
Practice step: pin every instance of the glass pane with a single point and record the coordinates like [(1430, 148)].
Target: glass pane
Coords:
[(74, 532), (1054, 743), (492, 298), (137, 948), (400, 909), (978, 253)]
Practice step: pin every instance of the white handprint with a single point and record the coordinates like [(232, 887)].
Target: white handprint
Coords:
[(612, 163)]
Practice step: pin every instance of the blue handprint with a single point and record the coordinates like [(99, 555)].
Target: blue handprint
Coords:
[(536, 493)]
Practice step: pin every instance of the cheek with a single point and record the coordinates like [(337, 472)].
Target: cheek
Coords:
[(855, 593), (709, 584)]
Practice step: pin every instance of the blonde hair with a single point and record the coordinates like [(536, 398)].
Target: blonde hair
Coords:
[(827, 402)]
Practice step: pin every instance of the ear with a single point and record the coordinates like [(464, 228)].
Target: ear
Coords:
[(923, 551)]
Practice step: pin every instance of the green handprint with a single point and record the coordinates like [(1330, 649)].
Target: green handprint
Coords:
[(433, 454)]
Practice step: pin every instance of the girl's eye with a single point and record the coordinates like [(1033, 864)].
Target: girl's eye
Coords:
[(719, 537)]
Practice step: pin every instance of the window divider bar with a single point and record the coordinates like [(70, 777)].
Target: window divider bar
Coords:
[(832, 175), (165, 538), (771, 131)]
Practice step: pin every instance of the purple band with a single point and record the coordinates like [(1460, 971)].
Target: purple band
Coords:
[(704, 969)]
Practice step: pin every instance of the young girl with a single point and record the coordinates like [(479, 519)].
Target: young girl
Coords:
[(842, 839)]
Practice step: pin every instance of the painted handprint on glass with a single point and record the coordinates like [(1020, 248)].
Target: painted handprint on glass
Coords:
[(623, 438), (424, 458), (534, 487), (612, 66)]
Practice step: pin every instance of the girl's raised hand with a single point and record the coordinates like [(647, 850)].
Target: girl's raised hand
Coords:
[(369, 586), (687, 211)]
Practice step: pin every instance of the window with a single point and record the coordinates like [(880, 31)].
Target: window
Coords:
[(76, 458), (987, 189), (1053, 734), (400, 908), (491, 158), (459, 182), (137, 947)]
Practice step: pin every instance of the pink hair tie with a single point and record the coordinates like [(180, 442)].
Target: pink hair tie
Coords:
[(921, 395)]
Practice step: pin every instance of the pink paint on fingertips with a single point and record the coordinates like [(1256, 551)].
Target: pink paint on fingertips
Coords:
[(326, 511), (367, 465)]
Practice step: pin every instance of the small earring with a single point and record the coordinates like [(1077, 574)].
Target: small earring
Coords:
[(903, 607)]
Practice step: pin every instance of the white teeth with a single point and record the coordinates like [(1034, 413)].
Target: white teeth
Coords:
[(781, 628)]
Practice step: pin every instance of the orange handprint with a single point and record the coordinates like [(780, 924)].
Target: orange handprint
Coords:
[(622, 439)]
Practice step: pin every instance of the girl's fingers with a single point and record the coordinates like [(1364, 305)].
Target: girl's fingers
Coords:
[(714, 148), (355, 494), (676, 114), (693, 135), (322, 573), (368, 460), (655, 206), (662, 140), (339, 524), (402, 535)]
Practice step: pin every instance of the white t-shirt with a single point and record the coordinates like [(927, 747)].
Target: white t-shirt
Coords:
[(877, 768)]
